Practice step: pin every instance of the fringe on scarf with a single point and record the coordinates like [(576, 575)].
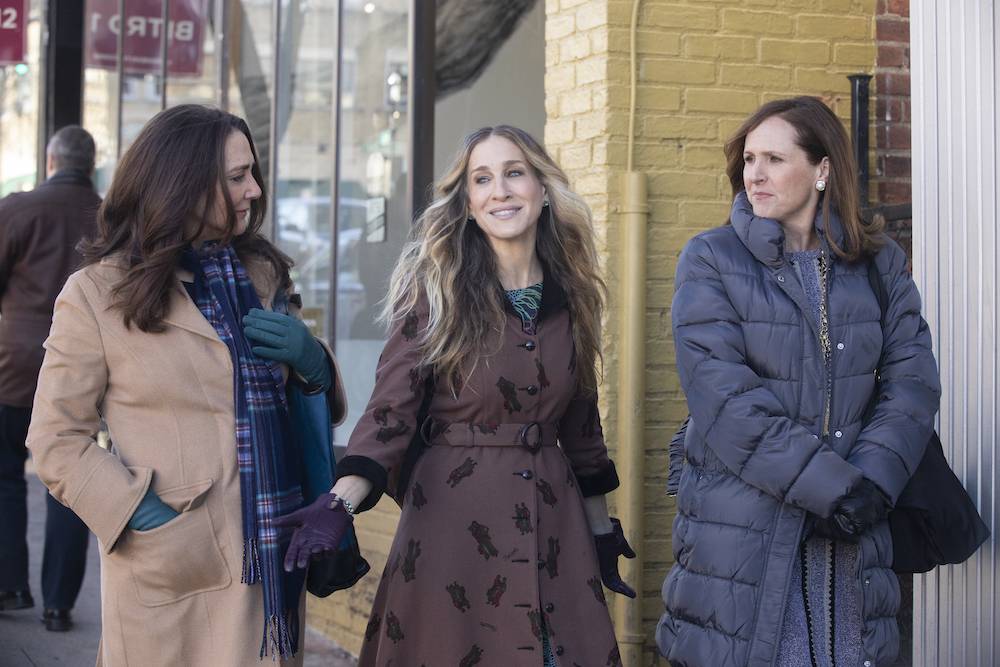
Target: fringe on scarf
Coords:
[(281, 635), (251, 562)]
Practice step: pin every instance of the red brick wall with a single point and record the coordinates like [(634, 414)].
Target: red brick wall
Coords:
[(892, 182)]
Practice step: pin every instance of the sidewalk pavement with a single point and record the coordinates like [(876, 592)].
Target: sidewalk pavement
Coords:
[(24, 641)]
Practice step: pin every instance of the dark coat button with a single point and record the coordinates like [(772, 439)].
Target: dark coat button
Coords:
[(526, 474), (530, 345), (531, 389), (549, 608), (560, 650)]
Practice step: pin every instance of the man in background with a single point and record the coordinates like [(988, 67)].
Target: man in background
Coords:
[(39, 231)]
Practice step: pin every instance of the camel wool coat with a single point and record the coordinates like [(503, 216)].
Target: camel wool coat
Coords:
[(493, 548), (171, 595)]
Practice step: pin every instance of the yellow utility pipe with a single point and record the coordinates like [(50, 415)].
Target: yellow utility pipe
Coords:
[(632, 381), (631, 405)]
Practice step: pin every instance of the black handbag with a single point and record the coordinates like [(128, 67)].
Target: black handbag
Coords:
[(309, 418), (934, 521)]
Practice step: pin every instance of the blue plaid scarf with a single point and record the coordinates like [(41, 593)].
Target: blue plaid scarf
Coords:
[(267, 457)]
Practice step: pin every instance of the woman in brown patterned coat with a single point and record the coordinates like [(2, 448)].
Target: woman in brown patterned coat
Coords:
[(497, 299)]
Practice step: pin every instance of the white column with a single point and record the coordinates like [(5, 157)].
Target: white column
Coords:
[(954, 65)]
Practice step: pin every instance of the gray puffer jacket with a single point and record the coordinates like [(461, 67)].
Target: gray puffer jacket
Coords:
[(756, 462)]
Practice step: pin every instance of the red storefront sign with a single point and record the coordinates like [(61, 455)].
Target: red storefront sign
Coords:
[(144, 31), (13, 31)]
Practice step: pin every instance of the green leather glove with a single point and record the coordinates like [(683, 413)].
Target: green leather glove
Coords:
[(287, 339), (151, 513)]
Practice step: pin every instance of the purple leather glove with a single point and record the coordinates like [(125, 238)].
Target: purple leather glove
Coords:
[(609, 547), (319, 526)]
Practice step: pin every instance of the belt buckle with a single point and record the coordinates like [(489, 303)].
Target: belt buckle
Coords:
[(524, 437)]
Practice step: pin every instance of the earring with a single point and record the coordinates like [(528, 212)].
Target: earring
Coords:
[(470, 219), (821, 185), (545, 202)]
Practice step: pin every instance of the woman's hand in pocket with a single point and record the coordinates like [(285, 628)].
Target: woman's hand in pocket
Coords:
[(151, 513)]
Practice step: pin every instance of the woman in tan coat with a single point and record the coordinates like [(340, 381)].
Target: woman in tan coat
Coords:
[(495, 309), (160, 336)]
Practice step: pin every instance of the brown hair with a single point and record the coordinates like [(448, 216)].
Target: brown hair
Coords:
[(447, 258), (821, 135), (164, 189)]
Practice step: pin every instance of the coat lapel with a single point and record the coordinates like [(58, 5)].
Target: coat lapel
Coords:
[(183, 313)]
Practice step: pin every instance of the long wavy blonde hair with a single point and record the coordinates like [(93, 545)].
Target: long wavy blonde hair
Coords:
[(447, 259)]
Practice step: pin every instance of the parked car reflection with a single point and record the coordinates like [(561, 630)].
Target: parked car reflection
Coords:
[(304, 231)]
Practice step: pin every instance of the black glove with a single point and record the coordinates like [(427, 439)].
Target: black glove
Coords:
[(855, 514), (609, 547)]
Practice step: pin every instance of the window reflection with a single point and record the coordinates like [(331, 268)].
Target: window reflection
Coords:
[(19, 113), (100, 118), (303, 216), (340, 201), (373, 216), (249, 38), (193, 71), (100, 102)]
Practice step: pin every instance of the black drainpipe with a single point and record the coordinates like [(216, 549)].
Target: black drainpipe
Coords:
[(859, 136), (859, 131)]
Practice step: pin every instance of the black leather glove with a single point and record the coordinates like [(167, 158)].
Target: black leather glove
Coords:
[(855, 514), (609, 547)]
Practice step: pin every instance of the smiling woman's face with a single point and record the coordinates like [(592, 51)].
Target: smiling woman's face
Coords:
[(505, 196)]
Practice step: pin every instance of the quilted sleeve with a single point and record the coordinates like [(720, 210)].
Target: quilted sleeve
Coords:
[(744, 423), (891, 444)]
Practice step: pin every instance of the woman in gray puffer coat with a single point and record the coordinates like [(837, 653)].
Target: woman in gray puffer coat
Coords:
[(783, 554)]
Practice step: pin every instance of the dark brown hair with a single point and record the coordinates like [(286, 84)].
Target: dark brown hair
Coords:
[(164, 190), (821, 135)]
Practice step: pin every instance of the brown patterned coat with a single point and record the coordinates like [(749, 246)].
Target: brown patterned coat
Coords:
[(493, 543)]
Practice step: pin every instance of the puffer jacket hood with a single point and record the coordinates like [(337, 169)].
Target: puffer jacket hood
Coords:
[(757, 462)]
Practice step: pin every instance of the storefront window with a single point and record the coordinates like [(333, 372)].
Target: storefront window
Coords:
[(193, 54), (304, 133), (190, 66), (19, 112), (100, 118), (373, 211), (249, 39), (325, 87), (141, 88)]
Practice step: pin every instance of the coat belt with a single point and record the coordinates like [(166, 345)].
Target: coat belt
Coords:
[(532, 435)]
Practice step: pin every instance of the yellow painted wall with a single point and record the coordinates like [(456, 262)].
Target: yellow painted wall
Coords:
[(704, 65)]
